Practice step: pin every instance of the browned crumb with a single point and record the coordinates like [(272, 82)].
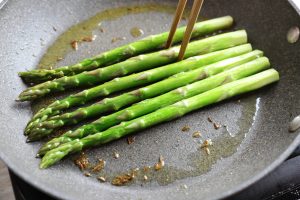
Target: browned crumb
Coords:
[(157, 166), (145, 177), (196, 134), (209, 119), (87, 174), (59, 59), (101, 30), (207, 150), (130, 140), (206, 143), (117, 39), (160, 164), (216, 125), (74, 45), (146, 168), (122, 179), (116, 155), (185, 128), (82, 161), (101, 179), (99, 166), (88, 38)]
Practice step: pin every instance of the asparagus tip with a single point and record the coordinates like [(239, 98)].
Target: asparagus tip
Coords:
[(43, 165), (32, 137), (20, 74), (41, 152)]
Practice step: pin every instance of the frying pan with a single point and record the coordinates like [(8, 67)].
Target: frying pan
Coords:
[(256, 139)]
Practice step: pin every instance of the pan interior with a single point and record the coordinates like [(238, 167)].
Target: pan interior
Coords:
[(255, 131)]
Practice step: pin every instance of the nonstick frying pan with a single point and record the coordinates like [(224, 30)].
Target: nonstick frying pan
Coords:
[(256, 139)]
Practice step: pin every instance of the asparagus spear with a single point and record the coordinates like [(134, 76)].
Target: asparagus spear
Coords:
[(135, 64), (142, 46), (162, 115), (150, 105), (46, 127), (134, 80)]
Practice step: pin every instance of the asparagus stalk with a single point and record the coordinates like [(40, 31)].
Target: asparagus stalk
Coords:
[(150, 105), (45, 128), (116, 55), (162, 115), (135, 64), (134, 80)]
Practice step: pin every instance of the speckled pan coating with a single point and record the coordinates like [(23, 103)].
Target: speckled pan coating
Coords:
[(267, 142)]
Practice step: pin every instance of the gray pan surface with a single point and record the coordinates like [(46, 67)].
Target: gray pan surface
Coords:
[(255, 143)]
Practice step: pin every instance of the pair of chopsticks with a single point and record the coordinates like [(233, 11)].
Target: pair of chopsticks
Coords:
[(189, 29)]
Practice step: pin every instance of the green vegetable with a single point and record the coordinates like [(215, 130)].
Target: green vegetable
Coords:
[(133, 80), (181, 79), (162, 115), (135, 64), (147, 44), (150, 105)]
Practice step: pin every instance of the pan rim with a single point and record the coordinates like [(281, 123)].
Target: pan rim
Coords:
[(60, 194)]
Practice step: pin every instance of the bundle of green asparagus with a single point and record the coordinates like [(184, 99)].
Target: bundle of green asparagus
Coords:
[(153, 104), (227, 40), (215, 68), (43, 128)]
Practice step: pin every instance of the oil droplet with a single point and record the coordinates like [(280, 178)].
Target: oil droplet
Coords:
[(136, 32), (293, 34), (294, 124)]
